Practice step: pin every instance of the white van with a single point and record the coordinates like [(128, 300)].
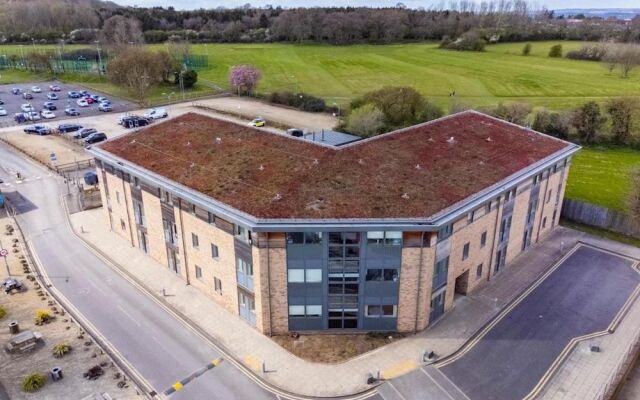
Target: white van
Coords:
[(156, 113)]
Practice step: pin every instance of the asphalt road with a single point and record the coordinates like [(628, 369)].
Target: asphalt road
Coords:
[(12, 102), (160, 347), (582, 296)]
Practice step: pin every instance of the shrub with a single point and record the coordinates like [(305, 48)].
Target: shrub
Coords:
[(302, 101), (61, 349), (365, 121), (526, 50), (3, 312), (42, 316), (588, 53), (555, 51), (470, 41), (33, 382), (189, 78)]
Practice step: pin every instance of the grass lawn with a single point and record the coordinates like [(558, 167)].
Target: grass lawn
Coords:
[(618, 237), (338, 73), (600, 175)]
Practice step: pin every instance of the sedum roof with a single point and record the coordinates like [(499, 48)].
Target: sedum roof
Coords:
[(410, 173)]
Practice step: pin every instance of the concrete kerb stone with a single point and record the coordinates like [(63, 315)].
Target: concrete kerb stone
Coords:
[(188, 322), (142, 385)]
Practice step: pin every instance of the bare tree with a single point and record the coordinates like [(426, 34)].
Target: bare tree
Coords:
[(137, 70), (121, 32), (628, 57), (633, 200)]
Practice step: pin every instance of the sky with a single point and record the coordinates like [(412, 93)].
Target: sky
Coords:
[(194, 4)]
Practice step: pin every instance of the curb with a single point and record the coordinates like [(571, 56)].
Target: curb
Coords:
[(226, 353)]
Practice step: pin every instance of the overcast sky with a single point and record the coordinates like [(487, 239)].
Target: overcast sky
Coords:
[(191, 4)]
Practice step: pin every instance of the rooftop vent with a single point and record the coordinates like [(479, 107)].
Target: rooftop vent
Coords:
[(489, 139), (418, 166), (431, 139), (261, 167), (218, 140), (361, 161), (192, 165), (132, 142), (405, 196), (451, 140), (189, 143), (315, 161), (277, 197)]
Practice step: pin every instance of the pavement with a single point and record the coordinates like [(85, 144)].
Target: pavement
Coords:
[(394, 361)]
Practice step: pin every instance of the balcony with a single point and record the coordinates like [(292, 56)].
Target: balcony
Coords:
[(245, 280)]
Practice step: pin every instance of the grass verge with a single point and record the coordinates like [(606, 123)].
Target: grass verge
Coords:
[(618, 237)]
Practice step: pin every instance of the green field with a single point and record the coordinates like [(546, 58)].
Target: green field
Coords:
[(600, 175), (338, 73)]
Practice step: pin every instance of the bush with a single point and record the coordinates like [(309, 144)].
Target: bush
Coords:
[(61, 349), (33, 382), (555, 51), (42, 316), (470, 41), (301, 101), (365, 121), (588, 53), (526, 50), (3, 312), (189, 78)]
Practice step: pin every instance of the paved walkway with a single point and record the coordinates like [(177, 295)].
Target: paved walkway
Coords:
[(293, 374)]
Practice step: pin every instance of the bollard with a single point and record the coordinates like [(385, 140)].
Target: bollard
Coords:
[(56, 373), (14, 327)]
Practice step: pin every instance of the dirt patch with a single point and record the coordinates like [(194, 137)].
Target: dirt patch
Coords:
[(334, 348), (84, 353)]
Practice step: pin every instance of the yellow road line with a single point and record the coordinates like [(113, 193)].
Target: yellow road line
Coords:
[(399, 369)]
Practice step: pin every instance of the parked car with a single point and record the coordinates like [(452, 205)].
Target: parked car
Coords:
[(74, 95), (95, 98), (156, 113), (16, 90), (49, 106), (105, 107), (1, 102), (84, 93), (52, 96), (31, 116), (27, 96), (83, 133), (102, 99), (69, 127), (82, 103), (54, 88), (95, 138), (36, 89), (258, 122), (38, 130), (47, 114), (107, 102), (135, 121), (88, 99), (71, 111), (26, 107), (3, 112)]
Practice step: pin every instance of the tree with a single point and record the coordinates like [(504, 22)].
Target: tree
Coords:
[(526, 50), (622, 112), (137, 70), (628, 57), (179, 49), (189, 78), (38, 61), (244, 78), (513, 112), (120, 32), (633, 199), (551, 123), (555, 51), (588, 120), (401, 106), (365, 121)]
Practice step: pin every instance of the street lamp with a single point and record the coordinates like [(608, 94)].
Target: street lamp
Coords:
[(99, 57), (338, 106)]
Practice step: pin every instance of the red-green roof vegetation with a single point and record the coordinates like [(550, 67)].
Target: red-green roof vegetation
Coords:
[(412, 173)]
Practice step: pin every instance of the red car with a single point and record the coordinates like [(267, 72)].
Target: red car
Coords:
[(89, 99), (54, 88)]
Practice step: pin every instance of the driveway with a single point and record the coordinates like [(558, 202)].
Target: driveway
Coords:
[(583, 295)]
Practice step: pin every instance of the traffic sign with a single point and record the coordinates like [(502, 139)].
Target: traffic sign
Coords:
[(4, 252)]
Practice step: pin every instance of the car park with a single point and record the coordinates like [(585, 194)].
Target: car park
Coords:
[(3, 112), (47, 114), (54, 88), (49, 106), (105, 107), (16, 90), (31, 116), (258, 122), (74, 95), (88, 99), (36, 89), (95, 138), (38, 130), (95, 98), (1, 102), (26, 107), (83, 133), (27, 96), (69, 127), (84, 93), (71, 111), (156, 113), (82, 103), (103, 99), (52, 96)]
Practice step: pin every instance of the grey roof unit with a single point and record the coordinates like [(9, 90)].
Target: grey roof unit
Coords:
[(333, 138)]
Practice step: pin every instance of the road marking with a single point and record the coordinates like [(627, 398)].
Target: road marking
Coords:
[(253, 362), (180, 384), (396, 390), (129, 315), (399, 369), (437, 384)]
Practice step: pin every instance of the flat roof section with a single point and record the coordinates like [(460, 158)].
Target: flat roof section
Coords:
[(410, 173)]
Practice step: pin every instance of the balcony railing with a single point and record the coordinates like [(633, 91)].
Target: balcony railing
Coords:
[(244, 280)]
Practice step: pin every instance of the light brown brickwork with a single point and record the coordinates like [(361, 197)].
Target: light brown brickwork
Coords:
[(518, 221), (270, 269), (121, 208)]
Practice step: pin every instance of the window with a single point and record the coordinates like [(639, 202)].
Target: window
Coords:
[(123, 226), (465, 251), (215, 254), (243, 233), (379, 274), (549, 195), (445, 232), (136, 182), (217, 285), (198, 272), (471, 216), (117, 197), (309, 311), (195, 241), (313, 275), (211, 218), (314, 311), (381, 311), (295, 275), (510, 195), (478, 271), (391, 238), (304, 238), (296, 311), (487, 208), (555, 168), (483, 239), (544, 222)]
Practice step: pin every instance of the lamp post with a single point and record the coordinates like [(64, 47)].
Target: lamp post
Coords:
[(98, 49), (338, 106)]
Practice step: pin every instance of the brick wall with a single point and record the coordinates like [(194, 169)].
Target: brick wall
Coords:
[(519, 221), (270, 268), (409, 297), (121, 208), (156, 246)]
